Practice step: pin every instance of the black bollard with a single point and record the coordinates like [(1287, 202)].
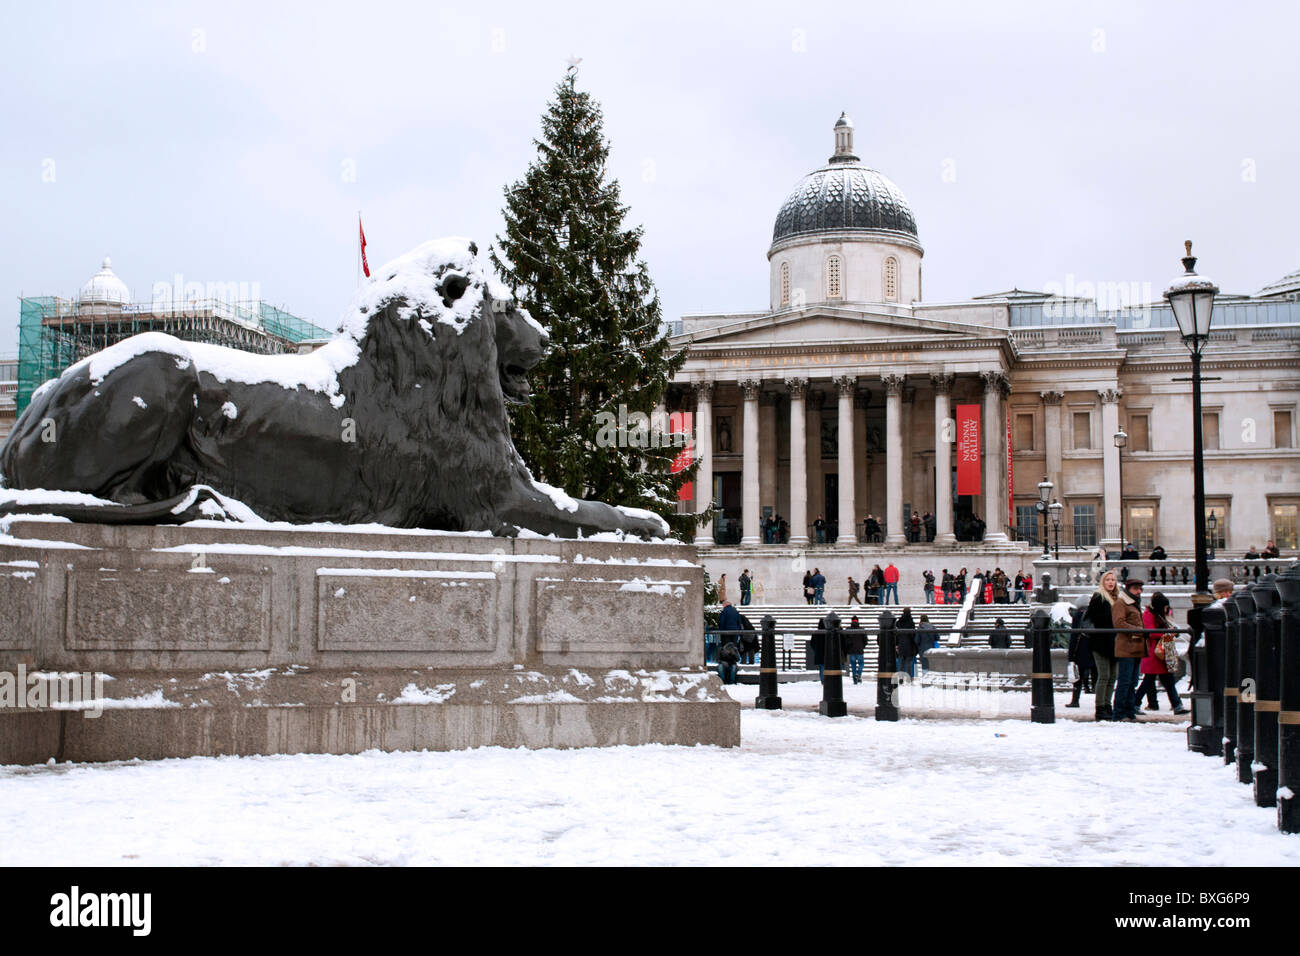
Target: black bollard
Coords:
[(1231, 681), (833, 704), (886, 662), (1246, 648), (1288, 718), (767, 697), (1205, 735), (1267, 691), (1042, 708)]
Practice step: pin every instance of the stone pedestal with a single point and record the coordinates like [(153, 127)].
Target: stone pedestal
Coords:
[(234, 639)]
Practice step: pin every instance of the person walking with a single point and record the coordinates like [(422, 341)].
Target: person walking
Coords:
[(807, 587), (1020, 588), (876, 584), (1130, 648), (1000, 639), (905, 630), (1079, 654), (1099, 618), (722, 589), (945, 583), (853, 591), (746, 587), (819, 586), (960, 581), (929, 586), (891, 583), (1155, 666), (855, 647), (1000, 587)]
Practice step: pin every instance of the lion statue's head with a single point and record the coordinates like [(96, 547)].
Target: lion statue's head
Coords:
[(439, 299)]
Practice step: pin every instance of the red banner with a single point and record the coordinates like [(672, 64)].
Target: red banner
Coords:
[(681, 423), (968, 449), (1011, 476)]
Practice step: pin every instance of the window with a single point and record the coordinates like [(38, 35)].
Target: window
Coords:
[(1139, 433), (891, 279), (1024, 434), (1209, 430), (1028, 526), (1218, 538), (833, 278), (1083, 429), (1281, 428), (1284, 525), (785, 283), (1085, 526), (1141, 528)]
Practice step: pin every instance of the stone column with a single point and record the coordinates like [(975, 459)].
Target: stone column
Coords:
[(704, 455), (815, 484), (749, 516), (847, 538), (994, 433), (945, 430), (1112, 507), (861, 472), (798, 516), (893, 458), (766, 452), (1052, 434)]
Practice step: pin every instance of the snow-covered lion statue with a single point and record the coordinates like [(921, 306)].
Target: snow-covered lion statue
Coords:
[(400, 419)]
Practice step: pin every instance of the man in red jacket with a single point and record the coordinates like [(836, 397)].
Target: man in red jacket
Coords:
[(891, 583)]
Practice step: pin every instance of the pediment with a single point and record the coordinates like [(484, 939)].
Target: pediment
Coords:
[(824, 326)]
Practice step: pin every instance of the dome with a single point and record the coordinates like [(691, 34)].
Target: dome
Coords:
[(105, 288), (845, 195)]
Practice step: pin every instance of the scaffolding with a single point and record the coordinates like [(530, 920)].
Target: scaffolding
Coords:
[(54, 333)]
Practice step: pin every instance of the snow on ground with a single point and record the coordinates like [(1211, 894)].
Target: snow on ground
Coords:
[(802, 789)]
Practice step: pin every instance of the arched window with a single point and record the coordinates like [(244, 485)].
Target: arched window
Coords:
[(833, 288), (785, 283), (891, 279)]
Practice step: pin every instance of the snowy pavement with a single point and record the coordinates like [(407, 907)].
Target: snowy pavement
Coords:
[(802, 789)]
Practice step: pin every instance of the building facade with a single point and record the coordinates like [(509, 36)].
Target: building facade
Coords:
[(840, 400)]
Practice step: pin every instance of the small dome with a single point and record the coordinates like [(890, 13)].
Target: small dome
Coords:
[(105, 288), (845, 195)]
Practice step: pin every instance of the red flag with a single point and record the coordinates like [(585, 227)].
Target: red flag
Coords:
[(364, 264)]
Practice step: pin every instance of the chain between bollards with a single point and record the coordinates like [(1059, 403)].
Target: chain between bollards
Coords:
[(767, 690)]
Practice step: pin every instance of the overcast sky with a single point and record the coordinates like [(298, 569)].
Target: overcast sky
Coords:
[(234, 142)]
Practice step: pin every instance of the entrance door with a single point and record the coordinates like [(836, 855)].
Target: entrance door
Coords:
[(832, 506), (729, 498)]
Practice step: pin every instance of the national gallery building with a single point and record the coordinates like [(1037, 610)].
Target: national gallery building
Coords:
[(851, 397)]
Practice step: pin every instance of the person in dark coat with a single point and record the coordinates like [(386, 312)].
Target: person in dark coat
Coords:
[(927, 638), (729, 620), (728, 659), (807, 587), (1001, 637), (818, 644), (1080, 654), (854, 643), (905, 630), (748, 641)]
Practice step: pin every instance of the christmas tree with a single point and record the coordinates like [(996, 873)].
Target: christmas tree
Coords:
[(569, 259)]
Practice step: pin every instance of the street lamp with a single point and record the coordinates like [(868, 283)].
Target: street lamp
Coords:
[(1121, 439), (1056, 508), (1044, 495), (1213, 523), (1192, 299)]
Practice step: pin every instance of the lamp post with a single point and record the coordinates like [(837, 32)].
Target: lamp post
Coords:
[(1044, 495), (1213, 523), (1192, 299), (1056, 508), (1121, 439)]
